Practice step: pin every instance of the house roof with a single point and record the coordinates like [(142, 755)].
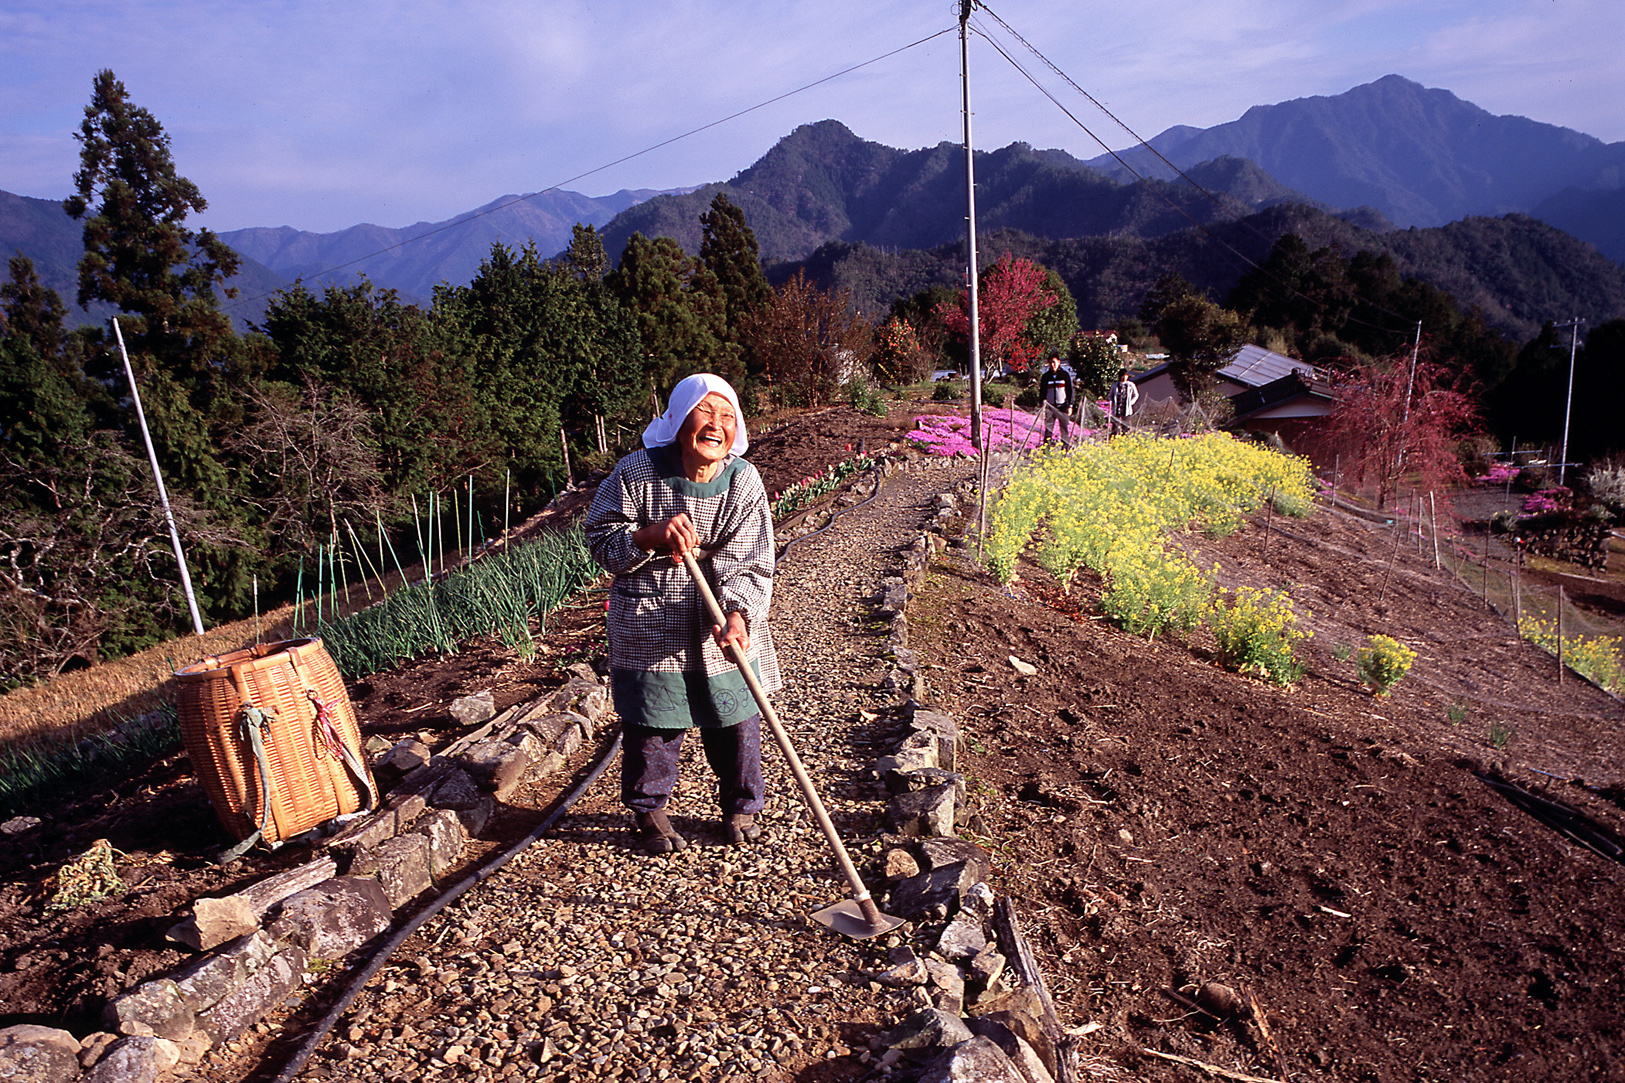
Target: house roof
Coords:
[(1297, 394), (1254, 366)]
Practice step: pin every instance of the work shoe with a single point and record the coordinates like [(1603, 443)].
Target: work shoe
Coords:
[(657, 835), (741, 827)]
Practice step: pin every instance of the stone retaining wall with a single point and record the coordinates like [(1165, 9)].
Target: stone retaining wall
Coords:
[(982, 1010)]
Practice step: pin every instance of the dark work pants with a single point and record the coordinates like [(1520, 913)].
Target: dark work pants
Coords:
[(649, 759)]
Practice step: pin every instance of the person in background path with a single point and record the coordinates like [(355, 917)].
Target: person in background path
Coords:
[(687, 490), (1056, 395), (1125, 395)]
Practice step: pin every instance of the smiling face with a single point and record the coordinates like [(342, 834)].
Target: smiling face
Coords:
[(707, 436)]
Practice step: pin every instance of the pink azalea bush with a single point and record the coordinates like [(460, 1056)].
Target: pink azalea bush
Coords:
[(1554, 499), (1498, 474), (948, 435)]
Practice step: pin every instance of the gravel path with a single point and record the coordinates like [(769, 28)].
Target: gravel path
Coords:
[(583, 959)]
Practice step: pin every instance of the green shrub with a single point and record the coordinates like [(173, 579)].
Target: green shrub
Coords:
[(947, 391), (866, 398), (1382, 662), (992, 396), (1258, 634)]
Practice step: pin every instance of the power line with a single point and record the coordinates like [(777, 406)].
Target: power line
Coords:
[(618, 161)]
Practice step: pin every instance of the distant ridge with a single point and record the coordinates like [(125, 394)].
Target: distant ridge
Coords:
[(444, 255), (1421, 156), (822, 183)]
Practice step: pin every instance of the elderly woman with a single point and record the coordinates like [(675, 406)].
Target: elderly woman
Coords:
[(687, 490)]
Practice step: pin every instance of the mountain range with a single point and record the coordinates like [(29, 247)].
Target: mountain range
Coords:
[(1388, 153)]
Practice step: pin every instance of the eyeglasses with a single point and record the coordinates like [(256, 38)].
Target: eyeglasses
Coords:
[(715, 415)]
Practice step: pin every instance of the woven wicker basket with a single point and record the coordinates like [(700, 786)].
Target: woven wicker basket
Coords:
[(298, 688)]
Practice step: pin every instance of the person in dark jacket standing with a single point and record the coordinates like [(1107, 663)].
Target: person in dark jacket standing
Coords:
[(1056, 396)]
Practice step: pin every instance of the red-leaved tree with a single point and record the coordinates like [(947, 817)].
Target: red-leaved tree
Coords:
[(1010, 293), (1389, 424)]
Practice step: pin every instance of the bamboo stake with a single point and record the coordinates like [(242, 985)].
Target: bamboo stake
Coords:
[(1486, 567), (299, 596), (1560, 633), (456, 522), (1517, 600), (469, 557), (1434, 523), (361, 555), (507, 500), (564, 442)]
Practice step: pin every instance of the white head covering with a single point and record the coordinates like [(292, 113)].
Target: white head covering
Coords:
[(684, 397)]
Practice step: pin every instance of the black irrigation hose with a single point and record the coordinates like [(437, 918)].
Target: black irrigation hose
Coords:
[(833, 513), (384, 951)]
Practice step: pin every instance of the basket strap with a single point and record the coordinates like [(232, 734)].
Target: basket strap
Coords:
[(253, 723), (338, 749), (327, 729)]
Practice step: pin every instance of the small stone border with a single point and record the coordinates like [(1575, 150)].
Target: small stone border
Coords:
[(269, 940), (983, 1011)]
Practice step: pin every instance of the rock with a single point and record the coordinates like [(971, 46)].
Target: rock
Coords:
[(1220, 999), (469, 711), (942, 852), (924, 778), (977, 1060), (446, 840), (215, 921), (35, 1054), (474, 819), (1021, 1054), (1023, 1023), (134, 1060), (900, 864), (17, 825), (549, 726), (905, 975), (209, 981), (407, 754), (401, 865), (332, 919), (926, 1029), (95, 1046), (496, 765), (568, 741), (946, 731), (456, 791), (1026, 669), (986, 968), (964, 937), (923, 812), (396, 815), (155, 1008), (251, 1001), (978, 899), (931, 894)]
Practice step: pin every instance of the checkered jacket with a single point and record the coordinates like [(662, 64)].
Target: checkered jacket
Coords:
[(657, 620)]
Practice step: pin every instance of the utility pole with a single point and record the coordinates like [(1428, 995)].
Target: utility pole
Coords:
[(1568, 400), (965, 8)]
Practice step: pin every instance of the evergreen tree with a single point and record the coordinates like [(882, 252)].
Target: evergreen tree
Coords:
[(728, 250), (139, 255), (680, 312)]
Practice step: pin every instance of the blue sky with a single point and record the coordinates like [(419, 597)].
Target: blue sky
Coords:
[(321, 115)]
